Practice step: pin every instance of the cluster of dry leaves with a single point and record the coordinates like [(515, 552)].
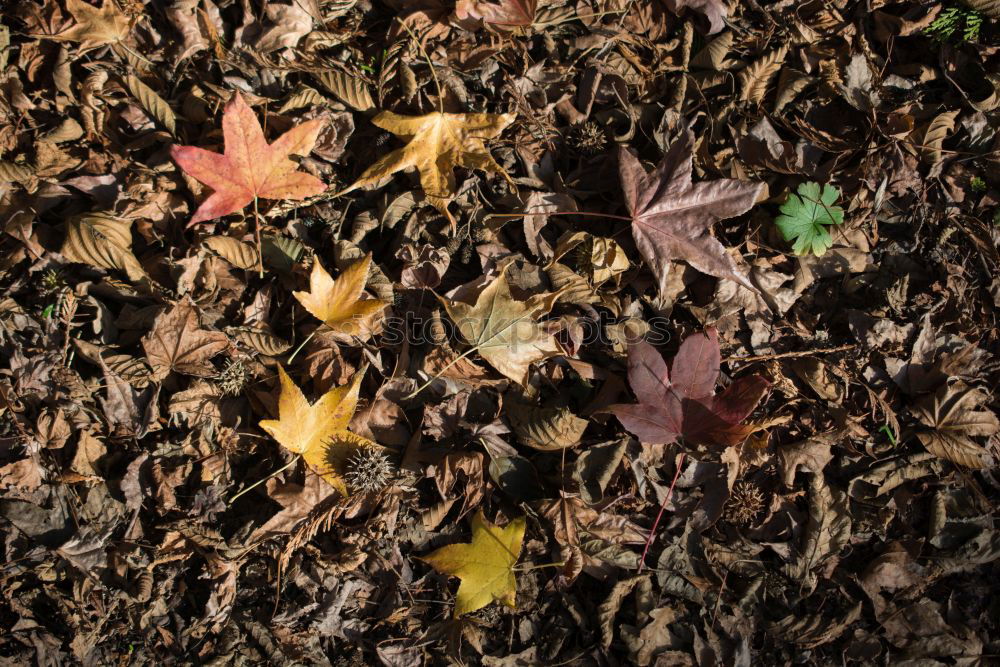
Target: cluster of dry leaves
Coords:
[(313, 307)]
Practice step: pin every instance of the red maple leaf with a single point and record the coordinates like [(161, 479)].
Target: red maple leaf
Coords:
[(250, 167), (681, 402)]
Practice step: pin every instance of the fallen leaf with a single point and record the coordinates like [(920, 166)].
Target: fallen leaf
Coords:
[(672, 218), (437, 143), (95, 27), (318, 431), (714, 10), (804, 215), (102, 240), (502, 12), (506, 332), (485, 566), (827, 532), (337, 303), (953, 419), (250, 167), (178, 343), (686, 406)]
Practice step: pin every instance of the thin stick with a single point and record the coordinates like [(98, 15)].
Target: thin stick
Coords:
[(529, 568), (438, 375), (666, 499), (256, 230), (437, 84), (256, 484), (585, 213), (790, 355)]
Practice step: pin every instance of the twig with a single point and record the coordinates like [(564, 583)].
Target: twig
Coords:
[(258, 483), (790, 355), (256, 230), (666, 499)]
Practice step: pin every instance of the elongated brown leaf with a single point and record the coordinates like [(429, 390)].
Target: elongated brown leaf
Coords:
[(102, 240), (239, 254), (154, 105)]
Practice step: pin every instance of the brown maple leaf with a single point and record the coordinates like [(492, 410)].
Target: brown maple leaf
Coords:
[(681, 403), (95, 27), (672, 218), (250, 167), (178, 343)]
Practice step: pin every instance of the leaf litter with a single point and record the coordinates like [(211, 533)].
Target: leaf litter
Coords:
[(499, 332)]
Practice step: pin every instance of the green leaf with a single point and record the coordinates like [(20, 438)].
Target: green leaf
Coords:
[(804, 215)]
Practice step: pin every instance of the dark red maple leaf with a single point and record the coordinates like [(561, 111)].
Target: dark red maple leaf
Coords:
[(672, 217), (685, 405)]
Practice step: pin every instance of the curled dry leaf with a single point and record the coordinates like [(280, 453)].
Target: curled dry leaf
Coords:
[(250, 167), (544, 428), (241, 255), (485, 566), (102, 240)]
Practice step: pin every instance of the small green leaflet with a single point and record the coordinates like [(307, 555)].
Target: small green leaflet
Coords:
[(804, 215)]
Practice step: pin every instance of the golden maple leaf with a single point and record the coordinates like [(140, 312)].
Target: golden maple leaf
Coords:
[(506, 332), (319, 431), (337, 303), (95, 27), (437, 143), (485, 566)]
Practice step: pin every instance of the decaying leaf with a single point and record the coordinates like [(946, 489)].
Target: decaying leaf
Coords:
[(672, 218), (250, 167), (178, 343), (338, 303), (506, 332), (436, 144), (952, 418), (827, 532), (95, 26), (485, 566), (318, 431)]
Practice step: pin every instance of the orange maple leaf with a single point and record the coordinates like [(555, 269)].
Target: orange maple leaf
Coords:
[(250, 167)]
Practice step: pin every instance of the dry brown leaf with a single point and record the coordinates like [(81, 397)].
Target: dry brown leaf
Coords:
[(102, 240), (178, 343), (505, 332), (953, 419), (94, 27)]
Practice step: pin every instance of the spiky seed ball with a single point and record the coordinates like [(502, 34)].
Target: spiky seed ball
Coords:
[(234, 378), (369, 469), (745, 503), (588, 139)]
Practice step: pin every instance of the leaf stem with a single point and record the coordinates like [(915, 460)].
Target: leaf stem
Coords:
[(666, 499), (301, 345), (437, 84), (438, 374), (258, 483), (584, 213), (256, 230), (529, 568)]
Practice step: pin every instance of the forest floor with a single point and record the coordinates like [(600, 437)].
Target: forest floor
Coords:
[(500, 332)]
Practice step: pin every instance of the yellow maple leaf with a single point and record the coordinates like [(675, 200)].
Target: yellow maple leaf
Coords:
[(319, 431), (505, 332), (485, 566), (437, 143), (95, 27), (337, 303)]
